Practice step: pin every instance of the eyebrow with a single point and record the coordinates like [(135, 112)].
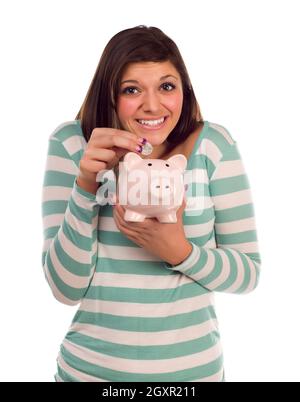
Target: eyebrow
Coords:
[(161, 78)]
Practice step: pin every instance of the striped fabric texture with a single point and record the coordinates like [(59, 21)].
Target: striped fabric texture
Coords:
[(139, 318)]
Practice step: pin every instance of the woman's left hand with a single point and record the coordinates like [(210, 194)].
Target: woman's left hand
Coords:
[(165, 240)]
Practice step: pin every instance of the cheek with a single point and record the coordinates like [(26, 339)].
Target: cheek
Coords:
[(174, 103), (126, 108)]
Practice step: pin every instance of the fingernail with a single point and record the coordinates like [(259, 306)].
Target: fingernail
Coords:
[(142, 140), (139, 148)]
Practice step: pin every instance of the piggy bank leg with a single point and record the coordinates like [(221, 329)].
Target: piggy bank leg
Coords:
[(171, 217), (132, 216)]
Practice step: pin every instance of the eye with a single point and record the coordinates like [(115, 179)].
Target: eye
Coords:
[(170, 85), (167, 165), (124, 91), (149, 164)]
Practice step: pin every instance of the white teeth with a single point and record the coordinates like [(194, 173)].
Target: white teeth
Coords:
[(152, 122)]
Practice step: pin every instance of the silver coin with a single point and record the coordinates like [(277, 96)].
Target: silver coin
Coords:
[(147, 149)]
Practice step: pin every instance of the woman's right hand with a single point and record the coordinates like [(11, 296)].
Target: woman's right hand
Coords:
[(104, 149)]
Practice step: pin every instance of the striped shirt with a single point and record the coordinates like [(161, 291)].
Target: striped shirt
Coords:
[(139, 318)]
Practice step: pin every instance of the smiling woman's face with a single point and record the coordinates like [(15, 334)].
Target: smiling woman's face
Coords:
[(153, 92)]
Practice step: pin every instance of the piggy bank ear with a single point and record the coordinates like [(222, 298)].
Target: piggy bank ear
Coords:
[(179, 161), (131, 159)]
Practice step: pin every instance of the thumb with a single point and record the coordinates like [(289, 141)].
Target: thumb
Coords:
[(182, 206)]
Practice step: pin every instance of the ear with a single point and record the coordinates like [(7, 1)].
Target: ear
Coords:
[(179, 161), (131, 159)]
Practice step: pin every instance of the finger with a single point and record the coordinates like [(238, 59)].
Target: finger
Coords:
[(102, 154), (120, 210), (117, 218), (127, 134), (183, 204), (137, 227), (99, 132), (119, 215), (127, 143), (181, 209), (123, 226)]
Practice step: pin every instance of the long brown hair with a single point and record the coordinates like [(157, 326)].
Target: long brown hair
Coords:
[(138, 44)]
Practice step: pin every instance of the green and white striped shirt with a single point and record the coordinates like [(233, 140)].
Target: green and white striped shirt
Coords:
[(139, 318)]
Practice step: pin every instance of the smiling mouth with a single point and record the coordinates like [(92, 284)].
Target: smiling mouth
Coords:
[(154, 123)]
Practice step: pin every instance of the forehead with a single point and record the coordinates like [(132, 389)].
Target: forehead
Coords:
[(151, 68)]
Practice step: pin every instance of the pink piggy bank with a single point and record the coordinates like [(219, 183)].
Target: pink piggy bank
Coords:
[(151, 188)]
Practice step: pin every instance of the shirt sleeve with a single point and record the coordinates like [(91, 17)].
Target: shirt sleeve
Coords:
[(234, 265), (70, 221)]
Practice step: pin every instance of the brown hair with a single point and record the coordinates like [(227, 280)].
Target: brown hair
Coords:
[(138, 44)]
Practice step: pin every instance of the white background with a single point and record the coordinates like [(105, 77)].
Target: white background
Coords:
[(243, 60)]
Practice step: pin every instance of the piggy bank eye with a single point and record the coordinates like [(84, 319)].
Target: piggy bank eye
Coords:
[(149, 164), (167, 165)]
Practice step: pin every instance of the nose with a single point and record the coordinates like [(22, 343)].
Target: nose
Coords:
[(151, 102)]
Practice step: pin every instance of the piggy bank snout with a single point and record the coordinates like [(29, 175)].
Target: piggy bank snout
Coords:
[(161, 189)]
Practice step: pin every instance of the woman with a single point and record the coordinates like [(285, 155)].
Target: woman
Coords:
[(145, 289)]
